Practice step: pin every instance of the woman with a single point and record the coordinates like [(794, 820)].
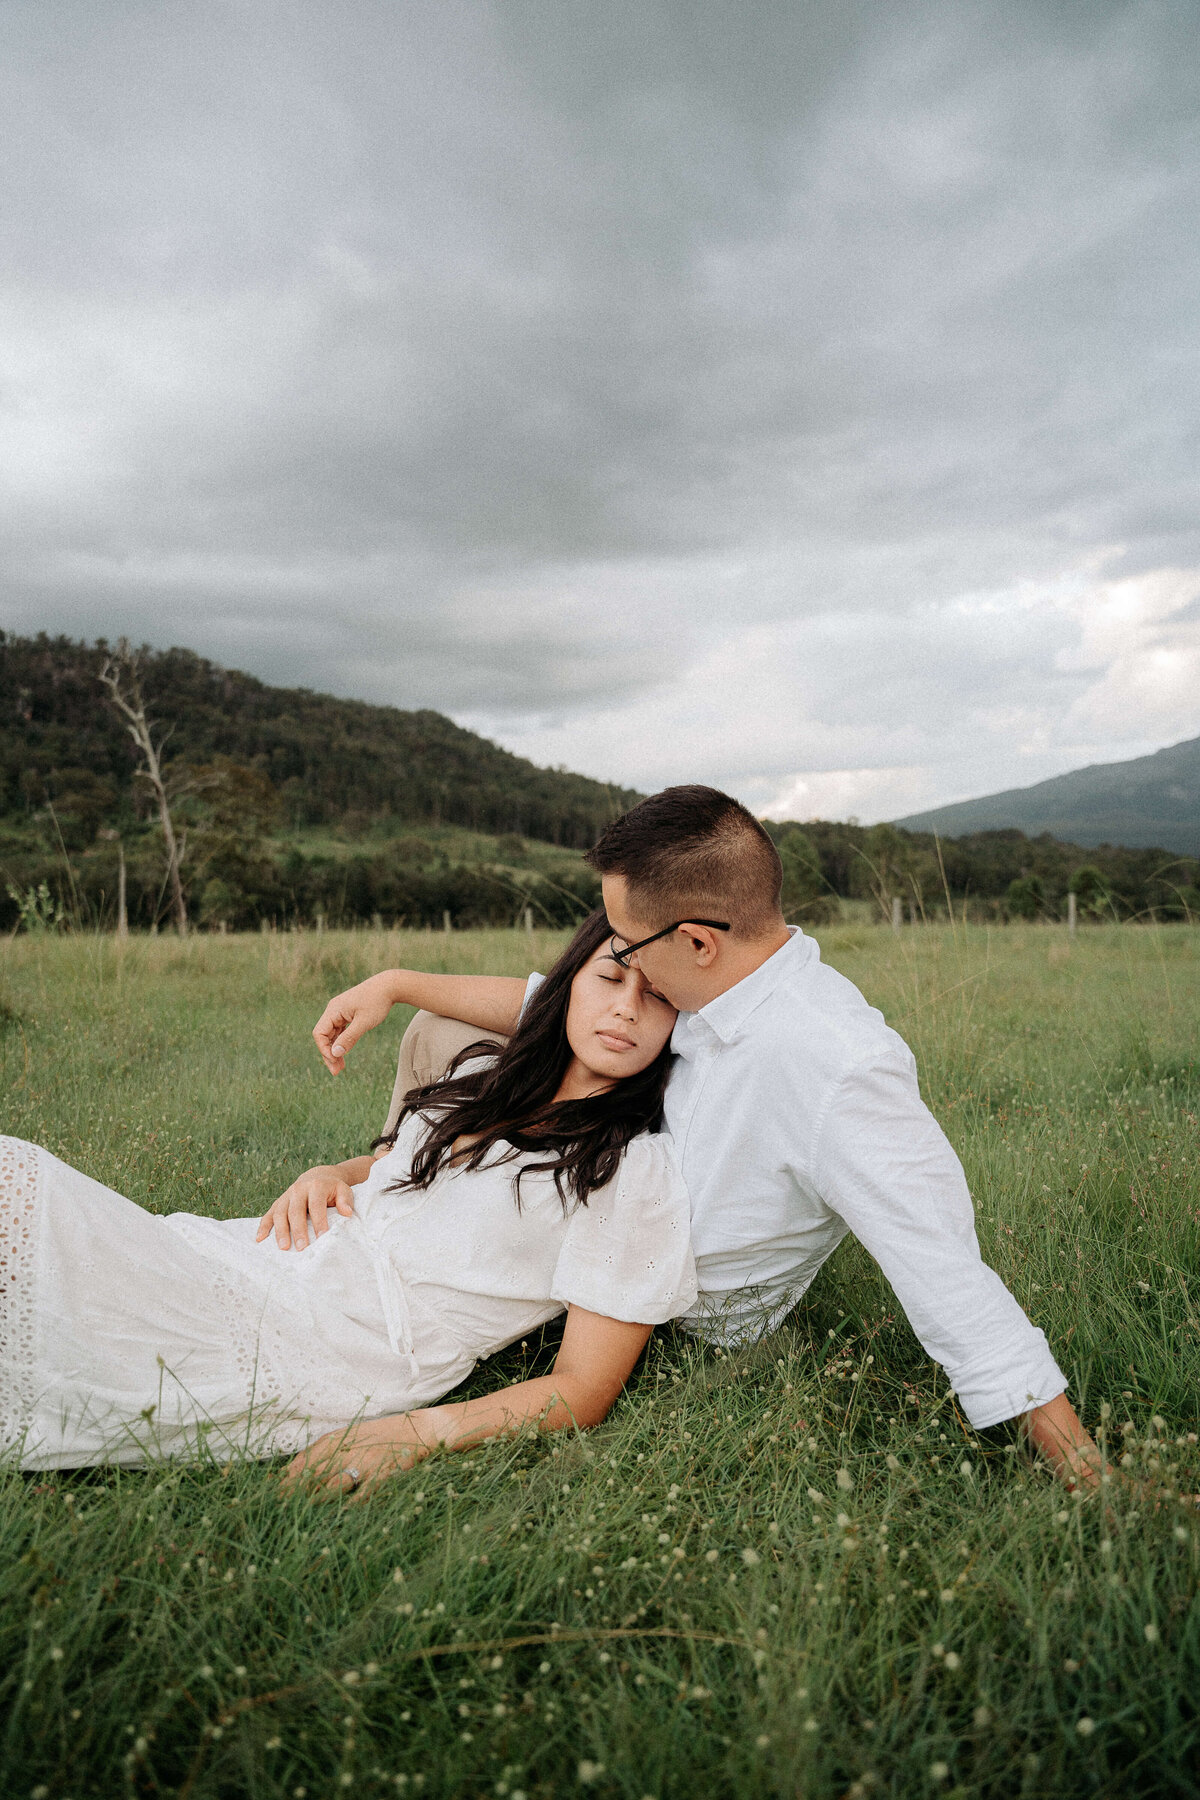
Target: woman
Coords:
[(531, 1180)]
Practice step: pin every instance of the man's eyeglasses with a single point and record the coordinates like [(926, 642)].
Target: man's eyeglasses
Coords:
[(623, 956)]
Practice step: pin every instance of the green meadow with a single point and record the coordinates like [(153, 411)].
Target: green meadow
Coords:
[(789, 1571)]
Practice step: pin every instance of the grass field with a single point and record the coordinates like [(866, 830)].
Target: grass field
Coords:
[(792, 1571)]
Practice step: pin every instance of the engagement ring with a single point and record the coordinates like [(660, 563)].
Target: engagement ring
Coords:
[(355, 1477)]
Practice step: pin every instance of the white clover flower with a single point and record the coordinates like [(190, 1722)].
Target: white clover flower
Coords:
[(763, 1739), (589, 1772), (845, 1480), (939, 1771), (712, 1556), (982, 1717), (1150, 1633), (952, 1660), (1085, 1726), (750, 1558), (892, 1462)]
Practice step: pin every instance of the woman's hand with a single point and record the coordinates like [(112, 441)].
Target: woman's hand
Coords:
[(355, 1460), (351, 1015), (309, 1198)]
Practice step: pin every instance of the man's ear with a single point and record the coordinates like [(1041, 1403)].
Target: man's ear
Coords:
[(703, 942)]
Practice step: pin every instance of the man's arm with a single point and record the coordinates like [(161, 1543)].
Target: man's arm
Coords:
[(885, 1166), (489, 1002)]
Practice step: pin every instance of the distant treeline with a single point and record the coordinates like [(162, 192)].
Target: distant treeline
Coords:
[(998, 875), (264, 777)]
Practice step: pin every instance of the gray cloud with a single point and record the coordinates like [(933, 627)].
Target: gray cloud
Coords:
[(571, 368)]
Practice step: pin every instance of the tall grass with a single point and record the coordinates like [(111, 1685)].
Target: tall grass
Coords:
[(789, 1571)]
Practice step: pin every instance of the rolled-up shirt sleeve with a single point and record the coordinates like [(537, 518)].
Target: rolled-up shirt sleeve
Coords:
[(885, 1166)]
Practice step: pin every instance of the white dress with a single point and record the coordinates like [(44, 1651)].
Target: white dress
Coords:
[(125, 1335)]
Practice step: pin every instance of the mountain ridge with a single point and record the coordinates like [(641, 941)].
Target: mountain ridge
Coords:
[(1147, 802)]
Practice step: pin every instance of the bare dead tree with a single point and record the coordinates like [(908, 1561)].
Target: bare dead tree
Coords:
[(121, 675)]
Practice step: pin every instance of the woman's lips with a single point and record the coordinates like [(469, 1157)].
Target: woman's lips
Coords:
[(612, 1040)]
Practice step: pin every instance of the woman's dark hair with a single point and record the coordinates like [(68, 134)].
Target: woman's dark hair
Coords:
[(509, 1099)]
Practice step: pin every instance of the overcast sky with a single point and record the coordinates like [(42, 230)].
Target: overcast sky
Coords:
[(798, 397)]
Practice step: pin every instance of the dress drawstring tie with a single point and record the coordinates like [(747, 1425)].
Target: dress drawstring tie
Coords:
[(392, 1297)]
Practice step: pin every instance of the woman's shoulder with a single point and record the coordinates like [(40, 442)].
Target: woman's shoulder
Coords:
[(648, 1173)]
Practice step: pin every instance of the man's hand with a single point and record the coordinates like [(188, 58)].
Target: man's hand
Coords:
[(350, 1016), (356, 1460), (1057, 1433), (309, 1198)]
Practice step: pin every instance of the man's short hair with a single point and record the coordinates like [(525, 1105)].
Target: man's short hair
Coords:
[(693, 851)]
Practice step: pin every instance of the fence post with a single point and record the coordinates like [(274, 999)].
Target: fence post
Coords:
[(446, 919), (529, 920), (897, 913), (1072, 913), (122, 912)]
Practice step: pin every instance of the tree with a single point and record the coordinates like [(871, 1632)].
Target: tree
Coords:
[(806, 893), (1025, 897), (1091, 891), (121, 676)]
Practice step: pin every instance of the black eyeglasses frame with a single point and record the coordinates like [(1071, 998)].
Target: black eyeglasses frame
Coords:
[(622, 956)]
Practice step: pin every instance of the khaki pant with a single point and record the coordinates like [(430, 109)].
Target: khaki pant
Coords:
[(426, 1050)]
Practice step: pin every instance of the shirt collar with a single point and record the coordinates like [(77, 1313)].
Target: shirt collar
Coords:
[(725, 1016)]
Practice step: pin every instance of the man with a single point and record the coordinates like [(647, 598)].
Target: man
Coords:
[(794, 1109)]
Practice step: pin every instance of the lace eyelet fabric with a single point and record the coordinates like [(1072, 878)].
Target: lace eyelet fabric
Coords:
[(18, 1222)]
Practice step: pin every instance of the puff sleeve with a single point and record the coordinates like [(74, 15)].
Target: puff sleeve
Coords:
[(627, 1254)]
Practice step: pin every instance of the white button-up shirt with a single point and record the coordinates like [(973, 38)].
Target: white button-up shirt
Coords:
[(797, 1117)]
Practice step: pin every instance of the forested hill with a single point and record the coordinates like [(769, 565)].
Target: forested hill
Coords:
[(329, 761)]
